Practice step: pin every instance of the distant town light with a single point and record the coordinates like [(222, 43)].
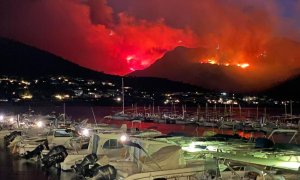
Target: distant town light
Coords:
[(26, 96), (58, 96), (118, 99), (62, 96)]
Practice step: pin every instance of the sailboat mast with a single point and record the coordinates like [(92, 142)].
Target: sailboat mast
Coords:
[(240, 109), (291, 107), (153, 110), (123, 100), (285, 110), (64, 113), (257, 112)]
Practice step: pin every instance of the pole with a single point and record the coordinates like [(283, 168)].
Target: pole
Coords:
[(182, 111), (123, 95), (206, 109), (158, 111), (240, 108), (230, 112), (153, 111), (198, 112), (18, 120), (136, 110), (291, 107), (65, 113), (94, 116), (174, 108), (285, 110), (256, 112), (265, 115)]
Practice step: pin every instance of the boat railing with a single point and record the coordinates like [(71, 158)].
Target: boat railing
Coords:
[(294, 132)]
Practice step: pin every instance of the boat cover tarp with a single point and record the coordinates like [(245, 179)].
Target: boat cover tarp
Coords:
[(166, 158)]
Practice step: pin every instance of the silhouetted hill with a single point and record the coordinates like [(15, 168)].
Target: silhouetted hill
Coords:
[(289, 89), (22, 60), (183, 64)]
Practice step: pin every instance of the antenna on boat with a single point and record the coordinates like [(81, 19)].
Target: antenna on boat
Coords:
[(123, 101), (94, 116)]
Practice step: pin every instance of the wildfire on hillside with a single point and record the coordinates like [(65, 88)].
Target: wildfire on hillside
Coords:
[(213, 61)]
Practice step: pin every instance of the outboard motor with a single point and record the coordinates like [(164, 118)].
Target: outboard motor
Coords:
[(84, 167), (37, 151), (56, 155), (107, 172), (9, 138), (97, 172)]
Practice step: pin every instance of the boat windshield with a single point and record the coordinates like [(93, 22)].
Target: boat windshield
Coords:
[(63, 133), (112, 144)]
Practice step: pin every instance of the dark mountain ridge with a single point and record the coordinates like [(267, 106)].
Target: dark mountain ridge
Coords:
[(27, 61), (288, 90), (21, 60)]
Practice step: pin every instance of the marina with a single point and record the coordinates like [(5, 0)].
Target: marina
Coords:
[(81, 148)]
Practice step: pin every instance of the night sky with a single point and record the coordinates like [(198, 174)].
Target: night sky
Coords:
[(120, 36)]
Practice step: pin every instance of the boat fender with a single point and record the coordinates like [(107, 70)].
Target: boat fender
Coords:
[(107, 172), (56, 155)]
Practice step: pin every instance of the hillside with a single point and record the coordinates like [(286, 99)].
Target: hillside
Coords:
[(21, 60), (277, 63)]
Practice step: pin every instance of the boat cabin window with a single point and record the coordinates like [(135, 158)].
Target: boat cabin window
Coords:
[(62, 133), (112, 144)]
